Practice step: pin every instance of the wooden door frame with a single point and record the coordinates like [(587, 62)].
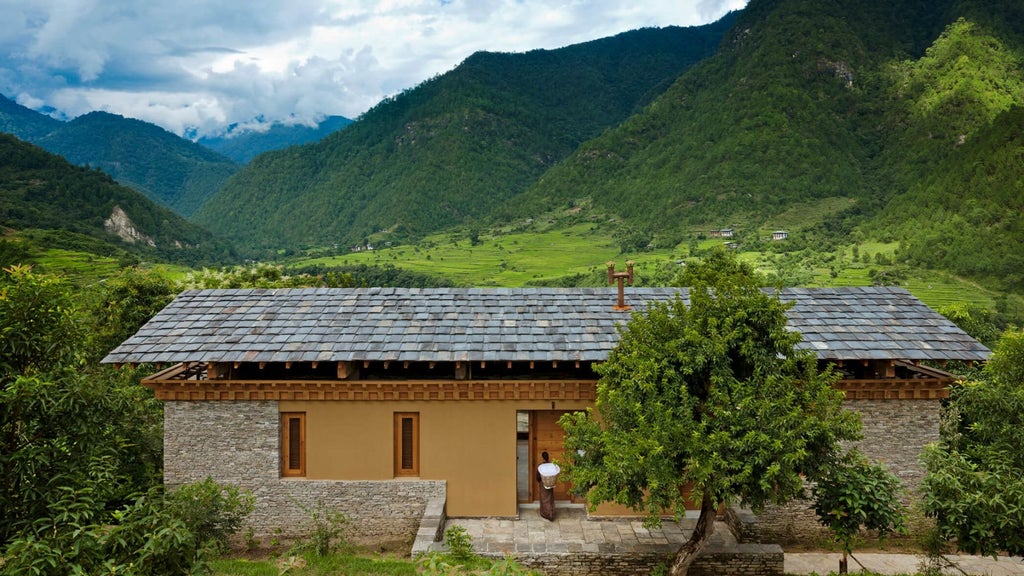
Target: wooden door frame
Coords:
[(534, 455)]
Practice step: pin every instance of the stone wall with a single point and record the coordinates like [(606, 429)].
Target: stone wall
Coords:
[(715, 560), (895, 434), (238, 443)]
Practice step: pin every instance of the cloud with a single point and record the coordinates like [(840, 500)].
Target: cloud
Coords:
[(198, 65)]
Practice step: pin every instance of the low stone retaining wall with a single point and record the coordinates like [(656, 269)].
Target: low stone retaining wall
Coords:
[(377, 511), (715, 560), (431, 530)]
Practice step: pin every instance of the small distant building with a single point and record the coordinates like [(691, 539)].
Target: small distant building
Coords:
[(780, 235), (732, 245), (723, 233)]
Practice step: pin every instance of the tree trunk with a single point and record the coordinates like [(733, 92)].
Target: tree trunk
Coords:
[(698, 539)]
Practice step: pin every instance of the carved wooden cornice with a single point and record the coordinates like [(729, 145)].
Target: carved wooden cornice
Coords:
[(373, 390)]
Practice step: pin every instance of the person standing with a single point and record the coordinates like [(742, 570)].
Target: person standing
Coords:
[(547, 495)]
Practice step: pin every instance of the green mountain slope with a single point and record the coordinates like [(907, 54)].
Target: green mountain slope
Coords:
[(908, 111), (959, 157), (786, 113), (173, 171), (85, 209), (24, 122), (245, 146), (453, 148)]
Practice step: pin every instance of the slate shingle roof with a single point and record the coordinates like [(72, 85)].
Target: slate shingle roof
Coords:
[(501, 324)]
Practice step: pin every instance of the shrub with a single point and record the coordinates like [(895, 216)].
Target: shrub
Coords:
[(212, 511), (459, 542), (326, 530)]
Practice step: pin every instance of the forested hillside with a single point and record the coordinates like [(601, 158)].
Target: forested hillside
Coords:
[(52, 203), (23, 122), (170, 170), (245, 146), (789, 111), (905, 110), (958, 160), (455, 147)]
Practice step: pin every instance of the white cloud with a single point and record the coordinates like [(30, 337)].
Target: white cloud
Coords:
[(202, 64)]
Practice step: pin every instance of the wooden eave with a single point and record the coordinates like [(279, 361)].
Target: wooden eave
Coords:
[(190, 381), (373, 390)]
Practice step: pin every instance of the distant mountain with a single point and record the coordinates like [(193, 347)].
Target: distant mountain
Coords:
[(245, 146), (455, 147), (168, 169), (85, 209), (23, 122)]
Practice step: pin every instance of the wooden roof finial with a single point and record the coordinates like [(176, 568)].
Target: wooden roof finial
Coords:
[(622, 278)]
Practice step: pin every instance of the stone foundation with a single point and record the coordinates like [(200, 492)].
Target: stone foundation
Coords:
[(238, 443), (715, 560)]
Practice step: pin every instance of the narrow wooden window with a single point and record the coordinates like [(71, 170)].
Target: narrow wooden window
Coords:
[(407, 444), (293, 444)]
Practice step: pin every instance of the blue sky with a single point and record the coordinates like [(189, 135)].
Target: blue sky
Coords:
[(197, 66)]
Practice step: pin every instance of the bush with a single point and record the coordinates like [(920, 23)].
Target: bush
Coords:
[(212, 511), (459, 542), (326, 530)]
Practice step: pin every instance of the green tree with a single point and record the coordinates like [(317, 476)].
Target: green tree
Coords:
[(974, 484), (709, 404), (80, 447), (855, 494), (59, 425), (38, 327), (123, 304)]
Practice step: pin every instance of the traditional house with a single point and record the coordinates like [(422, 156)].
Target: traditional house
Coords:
[(780, 235), (375, 401)]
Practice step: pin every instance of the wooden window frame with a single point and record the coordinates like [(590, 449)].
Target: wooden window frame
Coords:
[(400, 447), (287, 444)]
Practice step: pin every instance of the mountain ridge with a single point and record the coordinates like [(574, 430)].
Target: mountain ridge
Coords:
[(243, 147), (42, 191), (451, 149)]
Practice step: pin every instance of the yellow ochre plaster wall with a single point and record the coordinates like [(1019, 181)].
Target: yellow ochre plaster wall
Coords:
[(470, 444)]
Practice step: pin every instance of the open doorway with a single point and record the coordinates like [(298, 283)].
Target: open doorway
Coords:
[(523, 475), (537, 431)]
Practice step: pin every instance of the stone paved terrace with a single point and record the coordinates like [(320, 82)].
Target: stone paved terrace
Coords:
[(571, 531), (572, 534)]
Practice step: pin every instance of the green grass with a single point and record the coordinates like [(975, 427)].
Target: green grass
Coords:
[(334, 564), (519, 257), (82, 268), (806, 214), (515, 258)]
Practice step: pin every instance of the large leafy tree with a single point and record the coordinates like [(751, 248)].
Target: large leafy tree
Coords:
[(974, 485), (65, 429), (708, 404), (80, 445)]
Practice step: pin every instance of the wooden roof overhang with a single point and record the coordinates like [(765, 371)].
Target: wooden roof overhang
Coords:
[(897, 380), (213, 381)]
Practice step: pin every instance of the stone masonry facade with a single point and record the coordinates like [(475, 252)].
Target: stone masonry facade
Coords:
[(895, 434), (238, 443)]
